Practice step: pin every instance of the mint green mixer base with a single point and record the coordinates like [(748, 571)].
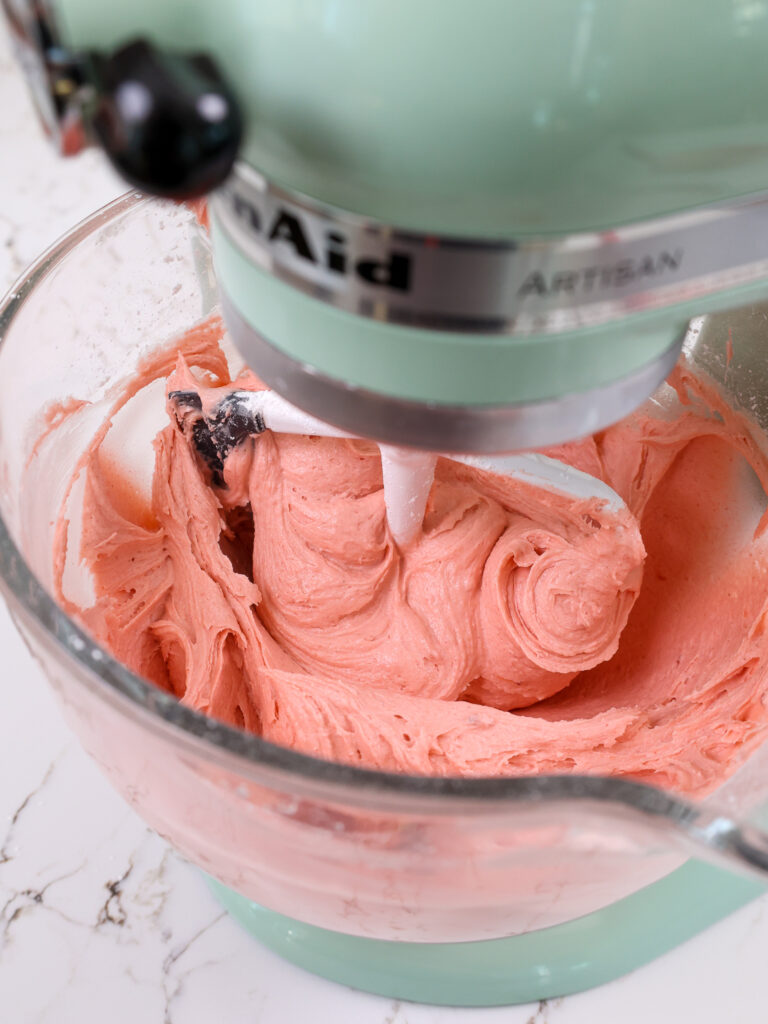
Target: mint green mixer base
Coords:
[(525, 968)]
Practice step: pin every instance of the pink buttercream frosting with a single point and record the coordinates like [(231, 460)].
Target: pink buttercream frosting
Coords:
[(522, 632)]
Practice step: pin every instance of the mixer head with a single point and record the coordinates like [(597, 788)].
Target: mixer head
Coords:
[(486, 238)]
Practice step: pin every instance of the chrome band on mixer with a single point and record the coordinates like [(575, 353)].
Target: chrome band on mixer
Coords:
[(534, 286), (434, 426)]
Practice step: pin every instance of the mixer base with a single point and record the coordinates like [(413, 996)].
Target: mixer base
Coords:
[(545, 964)]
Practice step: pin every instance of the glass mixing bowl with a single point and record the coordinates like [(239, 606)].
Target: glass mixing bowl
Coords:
[(364, 853)]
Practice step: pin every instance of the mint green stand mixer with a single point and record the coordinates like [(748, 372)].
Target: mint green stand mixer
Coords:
[(471, 227)]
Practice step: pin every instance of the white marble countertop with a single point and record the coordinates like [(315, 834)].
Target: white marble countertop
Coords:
[(101, 922)]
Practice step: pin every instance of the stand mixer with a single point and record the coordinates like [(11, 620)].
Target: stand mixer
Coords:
[(476, 229), (470, 230)]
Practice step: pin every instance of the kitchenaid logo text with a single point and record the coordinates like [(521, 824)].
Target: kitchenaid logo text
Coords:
[(287, 227), (592, 279)]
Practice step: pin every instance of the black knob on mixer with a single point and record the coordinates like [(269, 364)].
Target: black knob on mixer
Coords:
[(169, 123)]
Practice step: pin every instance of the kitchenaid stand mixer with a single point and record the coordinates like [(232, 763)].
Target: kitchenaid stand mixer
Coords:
[(479, 230)]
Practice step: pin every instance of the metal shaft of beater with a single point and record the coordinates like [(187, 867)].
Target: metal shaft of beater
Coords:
[(408, 477)]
